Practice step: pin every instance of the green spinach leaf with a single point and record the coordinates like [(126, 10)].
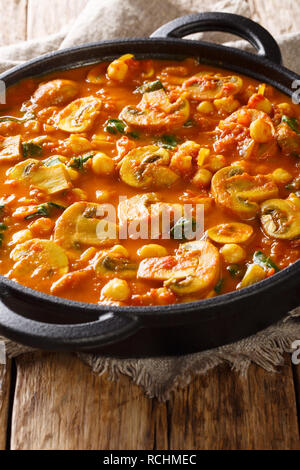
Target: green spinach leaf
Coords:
[(30, 149)]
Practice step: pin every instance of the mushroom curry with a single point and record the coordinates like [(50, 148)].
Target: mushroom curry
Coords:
[(145, 138)]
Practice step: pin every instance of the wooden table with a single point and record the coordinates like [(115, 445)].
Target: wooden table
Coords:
[(53, 401)]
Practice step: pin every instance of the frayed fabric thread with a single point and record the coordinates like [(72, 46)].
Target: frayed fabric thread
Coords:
[(160, 377)]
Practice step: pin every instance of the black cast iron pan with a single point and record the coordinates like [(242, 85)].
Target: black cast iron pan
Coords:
[(39, 320)]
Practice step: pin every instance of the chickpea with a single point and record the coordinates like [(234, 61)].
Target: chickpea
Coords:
[(264, 105), (78, 143), (182, 159), (281, 176), (186, 162), (102, 164), (42, 227), (116, 289), (79, 194), (205, 107), (181, 162), (21, 236), (227, 104), (233, 253), (118, 69), (202, 178), (73, 174), (260, 131), (216, 162), (260, 102), (152, 251), (120, 250), (286, 108)]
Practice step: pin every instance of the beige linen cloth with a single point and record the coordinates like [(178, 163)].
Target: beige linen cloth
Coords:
[(110, 19)]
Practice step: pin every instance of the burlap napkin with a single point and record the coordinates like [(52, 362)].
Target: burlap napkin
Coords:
[(109, 19)]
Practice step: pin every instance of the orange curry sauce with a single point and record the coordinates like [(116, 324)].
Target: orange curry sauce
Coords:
[(162, 132)]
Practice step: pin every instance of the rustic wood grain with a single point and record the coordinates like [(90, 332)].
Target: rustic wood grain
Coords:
[(296, 372), (13, 20), (49, 16), (60, 404), (223, 411), (5, 375)]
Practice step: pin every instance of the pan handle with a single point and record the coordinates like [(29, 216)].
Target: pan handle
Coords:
[(108, 329), (238, 25)]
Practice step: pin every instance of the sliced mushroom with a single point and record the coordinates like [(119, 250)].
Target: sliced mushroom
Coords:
[(54, 160), (49, 179), (83, 223), (240, 193), (194, 268), (113, 265), (10, 149), (38, 258), (253, 274), (233, 232), (136, 208), (281, 218), (79, 115), (147, 213), (144, 167), (54, 93), (173, 75), (206, 86), (156, 113)]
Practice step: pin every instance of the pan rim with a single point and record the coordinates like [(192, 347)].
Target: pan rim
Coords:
[(12, 75)]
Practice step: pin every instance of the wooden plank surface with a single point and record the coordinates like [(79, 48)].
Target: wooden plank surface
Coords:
[(296, 372), (5, 376), (60, 404), (224, 411)]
